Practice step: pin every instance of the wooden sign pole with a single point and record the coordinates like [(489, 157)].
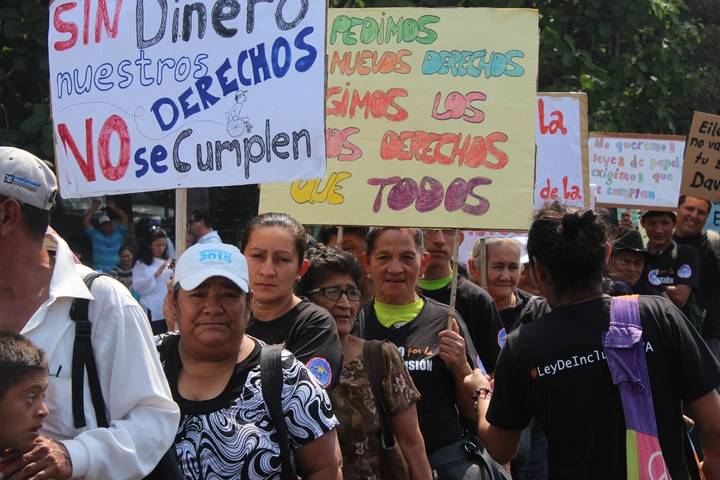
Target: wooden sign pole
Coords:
[(338, 241), (180, 220), (453, 286)]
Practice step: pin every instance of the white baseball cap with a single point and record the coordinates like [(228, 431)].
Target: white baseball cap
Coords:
[(26, 178), (200, 262), (103, 219)]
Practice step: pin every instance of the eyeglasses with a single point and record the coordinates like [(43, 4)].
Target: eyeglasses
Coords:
[(334, 293), (635, 262), (429, 231), (191, 221)]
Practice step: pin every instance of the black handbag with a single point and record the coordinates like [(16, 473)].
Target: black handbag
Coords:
[(466, 459)]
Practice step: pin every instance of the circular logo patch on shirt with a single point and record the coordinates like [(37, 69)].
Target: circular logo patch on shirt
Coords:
[(502, 336), (653, 279), (684, 272), (320, 368)]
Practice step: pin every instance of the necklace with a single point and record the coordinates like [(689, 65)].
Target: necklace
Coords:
[(586, 297)]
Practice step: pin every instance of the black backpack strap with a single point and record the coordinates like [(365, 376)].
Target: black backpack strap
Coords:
[(272, 382), (527, 307), (375, 367), (83, 357)]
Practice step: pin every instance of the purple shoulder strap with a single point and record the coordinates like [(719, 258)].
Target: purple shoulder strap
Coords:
[(626, 358)]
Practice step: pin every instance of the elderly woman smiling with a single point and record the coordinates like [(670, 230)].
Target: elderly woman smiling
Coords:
[(226, 430), (331, 281)]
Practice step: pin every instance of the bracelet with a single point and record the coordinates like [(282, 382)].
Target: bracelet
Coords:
[(481, 393)]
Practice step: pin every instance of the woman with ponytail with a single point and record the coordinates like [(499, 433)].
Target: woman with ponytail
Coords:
[(555, 369)]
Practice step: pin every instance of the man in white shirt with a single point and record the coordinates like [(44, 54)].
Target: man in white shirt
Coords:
[(200, 228), (37, 290)]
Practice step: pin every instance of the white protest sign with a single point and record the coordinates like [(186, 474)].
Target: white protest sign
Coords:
[(561, 135), (636, 171), (153, 94), (469, 237)]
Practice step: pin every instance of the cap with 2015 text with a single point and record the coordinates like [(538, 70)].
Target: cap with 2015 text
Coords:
[(202, 261), (26, 178)]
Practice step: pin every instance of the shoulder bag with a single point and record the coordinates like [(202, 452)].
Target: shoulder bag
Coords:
[(392, 462), (625, 354)]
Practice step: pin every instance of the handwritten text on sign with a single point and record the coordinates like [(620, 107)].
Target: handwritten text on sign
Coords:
[(559, 167), (430, 121), (151, 94), (636, 171), (701, 171)]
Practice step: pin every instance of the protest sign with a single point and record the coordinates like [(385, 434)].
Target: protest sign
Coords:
[(713, 220), (471, 236), (636, 171), (561, 170), (150, 95), (430, 121), (701, 171)]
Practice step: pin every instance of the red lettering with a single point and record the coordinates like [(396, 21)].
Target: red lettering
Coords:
[(87, 165), (65, 27), (114, 124), (555, 125), (102, 18), (496, 152), (86, 22)]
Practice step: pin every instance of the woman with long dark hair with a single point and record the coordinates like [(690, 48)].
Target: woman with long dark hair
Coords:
[(274, 245), (152, 271)]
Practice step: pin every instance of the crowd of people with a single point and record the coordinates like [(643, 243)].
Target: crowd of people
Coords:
[(371, 380)]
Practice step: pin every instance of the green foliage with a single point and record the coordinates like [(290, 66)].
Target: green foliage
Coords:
[(24, 93), (629, 56)]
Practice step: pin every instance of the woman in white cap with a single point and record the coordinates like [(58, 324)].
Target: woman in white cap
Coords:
[(213, 368)]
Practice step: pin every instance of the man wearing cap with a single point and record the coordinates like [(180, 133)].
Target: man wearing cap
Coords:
[(675, 269), (226, 429), (37, 290), (627, 263), (107, 241), (474, 304)]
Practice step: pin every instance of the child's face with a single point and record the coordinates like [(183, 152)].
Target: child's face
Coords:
[(22, 411)]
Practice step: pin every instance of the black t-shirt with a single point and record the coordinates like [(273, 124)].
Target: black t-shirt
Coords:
[(477, 309), (554, 369), (520, 314), (707, 295), (663, 271), (418, 344), (310, 334)]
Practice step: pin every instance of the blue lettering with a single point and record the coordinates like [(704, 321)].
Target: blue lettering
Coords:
[(156, 110), (278, 70), (241, 60), (207, 99), (141, 162), (227, 88), (158, 154), (188, 110), (259, 62), (102, 73), (303, 64)]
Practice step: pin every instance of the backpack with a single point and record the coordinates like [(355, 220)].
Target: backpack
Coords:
[(691, 309), (84, 358)]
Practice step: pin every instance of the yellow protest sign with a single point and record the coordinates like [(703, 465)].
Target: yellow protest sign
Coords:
[(701, 170), (430, 121)]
